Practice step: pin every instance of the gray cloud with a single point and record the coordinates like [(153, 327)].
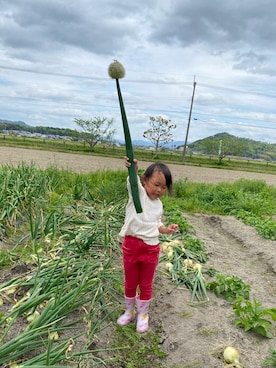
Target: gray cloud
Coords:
[(49, 48), (218, 23), (254, 63), (93, 26), (110, 27)]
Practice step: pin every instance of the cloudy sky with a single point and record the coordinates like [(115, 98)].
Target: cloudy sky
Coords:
[(54, 57)]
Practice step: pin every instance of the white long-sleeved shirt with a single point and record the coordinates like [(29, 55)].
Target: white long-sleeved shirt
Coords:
[(143, 225)]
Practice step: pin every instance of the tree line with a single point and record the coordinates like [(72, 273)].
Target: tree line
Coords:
[(63, 132), (99, 130)]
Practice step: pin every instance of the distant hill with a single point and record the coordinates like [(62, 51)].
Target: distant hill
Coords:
[(234, 146), (13, 122)]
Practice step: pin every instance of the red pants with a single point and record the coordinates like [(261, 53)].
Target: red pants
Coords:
[(140, 262)]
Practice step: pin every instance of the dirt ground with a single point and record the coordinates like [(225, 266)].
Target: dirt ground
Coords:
[(195, 336)]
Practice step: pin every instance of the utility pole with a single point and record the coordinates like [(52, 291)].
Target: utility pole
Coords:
[(188, 126)]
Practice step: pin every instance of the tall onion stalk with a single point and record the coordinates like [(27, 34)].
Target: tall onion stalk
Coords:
[(117, 71)]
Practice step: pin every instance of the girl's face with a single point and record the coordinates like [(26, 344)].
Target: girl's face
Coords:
[(155, 186)]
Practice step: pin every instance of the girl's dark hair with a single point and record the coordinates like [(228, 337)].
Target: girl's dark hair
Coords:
[(159, 166)]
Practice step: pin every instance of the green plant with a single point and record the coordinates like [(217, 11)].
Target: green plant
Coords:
[(266, 227), (72, 284), (183, 268), (174, 214), (251, 316), (137, 349), (195, 246), (270, 361), (5, 258), (231, 287), (251, 201)]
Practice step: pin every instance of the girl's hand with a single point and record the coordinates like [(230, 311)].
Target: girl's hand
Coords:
[(173, 228), (128, 164), (168, 229)]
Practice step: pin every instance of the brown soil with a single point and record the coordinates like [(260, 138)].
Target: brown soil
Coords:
[(195, 336)]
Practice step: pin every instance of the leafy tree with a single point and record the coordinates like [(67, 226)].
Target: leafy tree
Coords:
[(95, 130), (159, 132)]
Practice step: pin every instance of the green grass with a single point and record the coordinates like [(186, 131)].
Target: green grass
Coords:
[(252, 201), (138, 349)]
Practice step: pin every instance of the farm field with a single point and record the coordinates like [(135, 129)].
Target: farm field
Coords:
[(85, 163), (193, 336)]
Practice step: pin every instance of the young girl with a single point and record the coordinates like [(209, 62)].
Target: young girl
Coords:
[(141, 244)]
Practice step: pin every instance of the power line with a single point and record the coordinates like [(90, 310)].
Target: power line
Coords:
[(139, 81), (49, 73), (80, 103), (115, 107), (236, 117), (67, 75), (232, 123), (237, 90), (148, 110)]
